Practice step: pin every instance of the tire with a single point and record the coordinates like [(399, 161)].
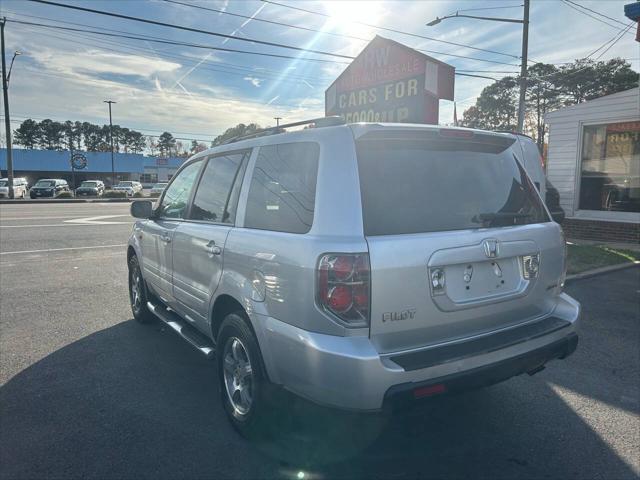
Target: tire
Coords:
[(237, 343), (138, 293)]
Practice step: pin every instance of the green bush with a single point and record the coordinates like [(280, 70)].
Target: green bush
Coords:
[(154, 194), (114, 194), (138, 195), (65, 195)]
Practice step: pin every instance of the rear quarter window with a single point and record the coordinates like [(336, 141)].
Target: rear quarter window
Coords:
[(283, 188)]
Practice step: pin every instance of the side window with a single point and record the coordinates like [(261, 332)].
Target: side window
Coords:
[(176, 196), (216, 199), (283, 188)]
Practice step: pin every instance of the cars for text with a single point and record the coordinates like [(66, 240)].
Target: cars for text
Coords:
[(20, 187), (358, 266), (94, 188), (48, 187)]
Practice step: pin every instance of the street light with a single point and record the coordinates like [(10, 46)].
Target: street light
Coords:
[(525, 47), (113, 168), (15, 54)]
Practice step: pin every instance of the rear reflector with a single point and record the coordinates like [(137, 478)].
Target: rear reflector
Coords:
[(429, 390)]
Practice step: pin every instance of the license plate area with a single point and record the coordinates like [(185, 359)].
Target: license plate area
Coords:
[(477, 281)]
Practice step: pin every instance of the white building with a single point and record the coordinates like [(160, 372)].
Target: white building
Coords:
[(593, 159)]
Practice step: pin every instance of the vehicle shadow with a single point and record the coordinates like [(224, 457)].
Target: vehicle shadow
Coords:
[(135, 401)]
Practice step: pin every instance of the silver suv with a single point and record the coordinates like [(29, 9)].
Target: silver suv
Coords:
[(357, 266)]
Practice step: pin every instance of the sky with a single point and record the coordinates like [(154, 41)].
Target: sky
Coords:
[(196, 93)]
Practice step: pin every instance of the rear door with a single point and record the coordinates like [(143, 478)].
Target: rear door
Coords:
[(455, 231), (157, 232), (199, 241)]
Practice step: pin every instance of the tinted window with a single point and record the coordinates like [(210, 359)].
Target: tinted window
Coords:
[(283, 188), (414, 186), (217, 196), (176, 196)]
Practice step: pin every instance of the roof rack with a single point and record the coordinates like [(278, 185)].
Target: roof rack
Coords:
[(263, 132)]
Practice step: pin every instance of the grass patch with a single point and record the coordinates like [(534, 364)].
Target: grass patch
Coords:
[(587, 257)]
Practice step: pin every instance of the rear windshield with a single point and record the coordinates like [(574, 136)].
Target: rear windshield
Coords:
[(46, 183), (412, 186), (89, 184)]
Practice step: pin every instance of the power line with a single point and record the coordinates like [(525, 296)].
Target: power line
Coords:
[(565, 2), (390, 30), (186, 61), (181, 43), (614, 42), (256, 19), (189, 29), (184, 44), (597, 13)]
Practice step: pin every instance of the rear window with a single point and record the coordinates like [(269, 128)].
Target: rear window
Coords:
[(411, 185), (283, 188)]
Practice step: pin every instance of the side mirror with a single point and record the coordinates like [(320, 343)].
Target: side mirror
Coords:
[(142, 209)]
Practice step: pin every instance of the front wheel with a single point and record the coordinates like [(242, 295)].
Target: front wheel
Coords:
[(243, 381), (138, 293)]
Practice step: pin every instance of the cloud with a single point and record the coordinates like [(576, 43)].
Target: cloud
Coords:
[(256, 82), (99, 62)]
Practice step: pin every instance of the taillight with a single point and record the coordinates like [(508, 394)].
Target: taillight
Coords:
[(343, 287)]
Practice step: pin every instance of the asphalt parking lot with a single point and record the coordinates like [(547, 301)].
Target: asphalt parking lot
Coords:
[(87, 392)]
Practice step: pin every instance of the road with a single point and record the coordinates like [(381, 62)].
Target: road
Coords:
[(87, 392)]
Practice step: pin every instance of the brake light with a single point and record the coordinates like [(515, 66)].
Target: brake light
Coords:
[(454, 133), (343, 287)]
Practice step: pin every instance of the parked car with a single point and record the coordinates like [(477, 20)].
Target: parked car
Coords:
[(130, 187), (20, 187), (94, 188), (357, 266), (48, 187), (157, 189)]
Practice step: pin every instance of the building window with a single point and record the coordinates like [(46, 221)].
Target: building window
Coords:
[(149, 178), (610, 176)]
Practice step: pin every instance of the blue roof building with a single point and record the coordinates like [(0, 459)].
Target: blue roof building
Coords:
[(36, 164)]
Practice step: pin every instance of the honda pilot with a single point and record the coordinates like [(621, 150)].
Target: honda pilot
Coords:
[(359, 266)]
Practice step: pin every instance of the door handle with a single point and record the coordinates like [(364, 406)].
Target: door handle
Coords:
[(165, 238), (212, 248)]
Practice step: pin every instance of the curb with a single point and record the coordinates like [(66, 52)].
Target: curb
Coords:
[(69, 200), (600, 271)]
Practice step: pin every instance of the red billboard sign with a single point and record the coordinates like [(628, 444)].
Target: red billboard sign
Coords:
[(390, 82)]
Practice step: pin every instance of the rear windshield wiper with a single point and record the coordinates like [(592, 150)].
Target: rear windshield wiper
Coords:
[(487, 217)]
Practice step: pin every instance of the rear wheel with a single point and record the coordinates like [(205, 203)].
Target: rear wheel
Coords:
[(243, 382), (138, 293)]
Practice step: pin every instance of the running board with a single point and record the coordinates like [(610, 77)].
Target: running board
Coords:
[(182, 328)]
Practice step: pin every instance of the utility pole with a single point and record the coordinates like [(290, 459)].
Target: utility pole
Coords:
[(7, 117), (525, 47), (523, 66), (113, 168), (277, 119)]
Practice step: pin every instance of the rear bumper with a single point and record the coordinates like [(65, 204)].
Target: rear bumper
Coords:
[(530, 362), (348, 372)]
